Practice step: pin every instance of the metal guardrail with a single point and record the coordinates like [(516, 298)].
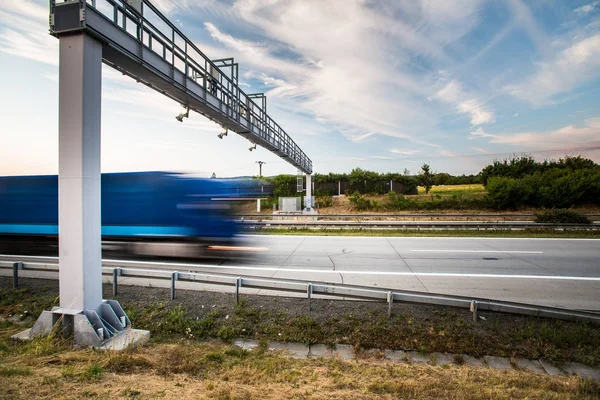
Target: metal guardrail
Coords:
[(475, 225), (399, 216), (319, 288)]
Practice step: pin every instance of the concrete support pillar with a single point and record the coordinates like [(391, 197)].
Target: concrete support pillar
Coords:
[(80, 79), (308, 206)]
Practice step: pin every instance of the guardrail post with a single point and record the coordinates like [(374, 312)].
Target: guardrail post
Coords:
[(390, 300), (16, 267), (238, 285), (174, 277), (309, 289), (116, 272), (474, 310)]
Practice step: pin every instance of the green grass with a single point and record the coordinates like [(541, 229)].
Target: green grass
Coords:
[(14, 371), (529, 233)]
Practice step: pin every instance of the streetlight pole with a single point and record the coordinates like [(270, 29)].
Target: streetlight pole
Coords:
[(260, 164)]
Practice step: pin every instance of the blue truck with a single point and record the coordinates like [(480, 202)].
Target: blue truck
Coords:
[(140, 210)]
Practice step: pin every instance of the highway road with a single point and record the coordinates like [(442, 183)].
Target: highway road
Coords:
[(552, 272)]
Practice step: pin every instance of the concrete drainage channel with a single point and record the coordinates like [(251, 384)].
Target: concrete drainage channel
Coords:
[(346, 352)]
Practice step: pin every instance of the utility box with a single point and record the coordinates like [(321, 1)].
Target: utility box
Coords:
[(289, 204)]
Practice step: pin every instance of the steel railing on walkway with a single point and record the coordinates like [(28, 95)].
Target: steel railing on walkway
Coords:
[(50, 264)]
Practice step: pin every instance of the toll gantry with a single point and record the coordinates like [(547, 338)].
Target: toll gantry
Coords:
[(133, 37), (142, 43)]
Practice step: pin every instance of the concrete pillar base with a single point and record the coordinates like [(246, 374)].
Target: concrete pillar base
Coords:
[(105, 328)]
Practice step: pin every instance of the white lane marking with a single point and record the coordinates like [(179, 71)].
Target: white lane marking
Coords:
[(478, 251), (391, 273)]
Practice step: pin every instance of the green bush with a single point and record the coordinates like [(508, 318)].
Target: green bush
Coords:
[(561, 216), (359, 203), (324, 201), (552, 188)]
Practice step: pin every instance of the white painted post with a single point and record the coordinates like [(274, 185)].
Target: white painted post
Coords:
[(339, 188), (258, 205), (391, 185), (308, 199), (80, 80)]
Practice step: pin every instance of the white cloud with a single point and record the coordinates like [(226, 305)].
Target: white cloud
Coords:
[(24, 32), (481, 150), (453, 93), (567, 138), (382, 158), (588, 8), (354, 61), (404, 151), (570, 68)]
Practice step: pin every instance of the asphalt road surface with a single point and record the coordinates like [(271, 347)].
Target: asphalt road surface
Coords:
[(553, 272)]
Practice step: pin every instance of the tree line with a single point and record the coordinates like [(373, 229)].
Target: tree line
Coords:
[(515, 182)]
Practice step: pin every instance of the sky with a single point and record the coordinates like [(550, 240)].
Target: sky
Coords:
[(381, 85)]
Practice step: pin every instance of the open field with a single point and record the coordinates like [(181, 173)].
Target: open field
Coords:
[(450, 190), (180, 363)]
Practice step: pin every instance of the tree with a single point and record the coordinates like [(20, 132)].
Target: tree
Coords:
[(406, 171), (426, 177)]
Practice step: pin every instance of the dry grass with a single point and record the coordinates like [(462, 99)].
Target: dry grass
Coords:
[(454, 189), (214, 370)]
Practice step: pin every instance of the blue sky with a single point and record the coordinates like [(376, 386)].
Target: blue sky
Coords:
[(380, 85)]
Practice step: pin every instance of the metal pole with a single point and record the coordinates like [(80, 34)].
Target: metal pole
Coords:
[(115, 274), (79, 103), (238, 285), (308, 201), (474, 310), (390, 300), (174, 277), (309, 289), (16, 267)]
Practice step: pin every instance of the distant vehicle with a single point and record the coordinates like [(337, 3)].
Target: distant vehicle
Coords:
[(148, 213)]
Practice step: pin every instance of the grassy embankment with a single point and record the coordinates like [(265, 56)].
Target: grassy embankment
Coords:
[(451, 190), (177, 364)]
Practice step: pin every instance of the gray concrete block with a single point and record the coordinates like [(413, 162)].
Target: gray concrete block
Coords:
[(23, 335), (344, 351), (551, 368), (129, 338), (320, 350), (246, 344), (472, 361), (296, 350), (418, 358), (530, 365), (396, 356), (443, 358), (498, 362), (371, 354), (583, 370)]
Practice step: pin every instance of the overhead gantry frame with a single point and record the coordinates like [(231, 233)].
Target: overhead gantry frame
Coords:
[(136, 39), (142, 43)]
